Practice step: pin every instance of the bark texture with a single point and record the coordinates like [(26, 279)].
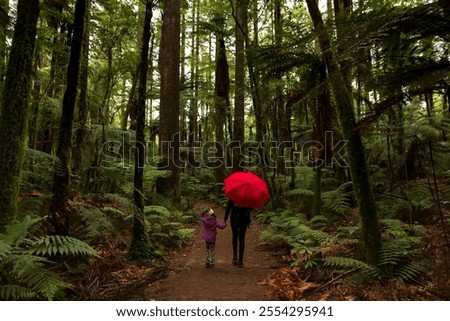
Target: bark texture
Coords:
[(15, 107)]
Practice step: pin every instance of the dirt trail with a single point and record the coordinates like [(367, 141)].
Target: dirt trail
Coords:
[(189, 280)]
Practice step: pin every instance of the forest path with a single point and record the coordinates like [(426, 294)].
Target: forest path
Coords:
[(189, 280)]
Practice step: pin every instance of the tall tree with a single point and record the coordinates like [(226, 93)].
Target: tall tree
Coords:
[(59, 215), (355, 148), (194, 66), (57, 22), (221, 104), (169, 64), (139, 248), (83, 107), (239, 88), (15, 107), (131, 108), (4, 20)]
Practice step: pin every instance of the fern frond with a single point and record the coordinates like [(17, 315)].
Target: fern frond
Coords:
[(336, 201), (43, 281), (17, 231), (53, 245), (5, 250), (156, 211), (299, 192), (305, 234), (412, 271), (16, 292), (319, 221), (349, 264)]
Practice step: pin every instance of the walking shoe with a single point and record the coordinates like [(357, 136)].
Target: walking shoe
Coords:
[(208, 265), (235, 261), (239, 264)]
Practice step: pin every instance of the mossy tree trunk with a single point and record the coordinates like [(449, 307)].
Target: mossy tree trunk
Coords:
[(15, 107), (59, 215), (355, 148), (140, 246), (83, 107), (169, 64)]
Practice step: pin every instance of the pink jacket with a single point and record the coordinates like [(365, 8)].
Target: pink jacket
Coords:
[(210, 224)]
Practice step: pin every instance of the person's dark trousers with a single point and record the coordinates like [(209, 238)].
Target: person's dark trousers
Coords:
[(238, 241)]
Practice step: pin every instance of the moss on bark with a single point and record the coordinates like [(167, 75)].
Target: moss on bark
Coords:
[(15, 107)]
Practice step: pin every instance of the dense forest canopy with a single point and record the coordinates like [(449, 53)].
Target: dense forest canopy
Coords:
[(117, 116)]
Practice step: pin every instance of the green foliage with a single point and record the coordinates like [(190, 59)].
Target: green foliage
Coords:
[(24, 267), (293, 231), (347, 263), (58, 245), (99, 217), (336, 201), (166, 228), (401, 257)]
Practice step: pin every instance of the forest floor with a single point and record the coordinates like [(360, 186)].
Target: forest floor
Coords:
[(182, 276)]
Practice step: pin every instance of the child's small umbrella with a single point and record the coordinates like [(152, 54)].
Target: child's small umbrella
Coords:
[(246, 189)]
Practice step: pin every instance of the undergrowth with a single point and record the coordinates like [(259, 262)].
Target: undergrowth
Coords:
[(27, 262), (319, 252)]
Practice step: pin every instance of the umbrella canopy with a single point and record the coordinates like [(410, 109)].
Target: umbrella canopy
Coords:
[(246, 189)]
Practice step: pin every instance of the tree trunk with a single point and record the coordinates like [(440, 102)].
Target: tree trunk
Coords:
[(4, 20), (58, 61), (15, 108), (195, 52), (140, 246), (355, 148), (83, 108), (222, 102), (239, 96), (131, 109), (61, 181), (342, 9), (169, 63)]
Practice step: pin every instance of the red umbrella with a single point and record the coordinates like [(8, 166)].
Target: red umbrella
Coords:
[(246, 189)]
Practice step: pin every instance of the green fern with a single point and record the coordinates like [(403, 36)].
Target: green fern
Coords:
[(94, 223), (24, 266), (352, 264), (337, 201), (5, 250), (166, 227), (17, 292), (412, 271), (319, 221), (298, 192), (53, 245)]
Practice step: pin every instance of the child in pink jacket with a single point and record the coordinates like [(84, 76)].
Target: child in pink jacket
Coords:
[(209, 233)]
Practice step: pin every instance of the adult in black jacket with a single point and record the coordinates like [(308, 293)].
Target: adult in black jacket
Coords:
[(240, 219)]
